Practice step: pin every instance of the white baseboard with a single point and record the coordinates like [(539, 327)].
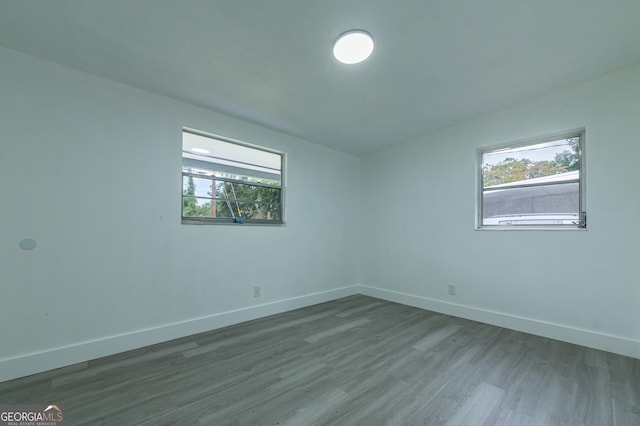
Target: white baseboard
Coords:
[(606, 342), (27, 364)]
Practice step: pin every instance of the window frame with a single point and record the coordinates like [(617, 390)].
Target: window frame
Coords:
[(200, 220), (582, 220)]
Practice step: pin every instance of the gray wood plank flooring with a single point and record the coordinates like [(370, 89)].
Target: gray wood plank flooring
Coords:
[(353, 361)]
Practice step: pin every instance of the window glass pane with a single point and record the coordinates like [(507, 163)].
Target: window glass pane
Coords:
[(196, 207), (230, 152), (262, 211), (530, 162), (196, 186), (532, 205), (224, 209), (209, 155)]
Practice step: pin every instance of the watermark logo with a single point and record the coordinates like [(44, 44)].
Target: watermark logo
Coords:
[(31, 415)]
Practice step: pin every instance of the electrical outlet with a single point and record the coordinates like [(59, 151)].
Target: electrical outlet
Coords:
[(257, 291), (452, 290)]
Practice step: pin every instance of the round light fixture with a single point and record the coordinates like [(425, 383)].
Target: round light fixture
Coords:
[(353, 46)]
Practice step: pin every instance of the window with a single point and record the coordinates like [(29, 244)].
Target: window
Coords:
[(225, 181), (539, 184)]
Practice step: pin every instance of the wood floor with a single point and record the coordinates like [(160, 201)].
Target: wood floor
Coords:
[(353, 361)]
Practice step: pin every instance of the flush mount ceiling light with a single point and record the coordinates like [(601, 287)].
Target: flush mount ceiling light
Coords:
[(353, 46), (200, 150)]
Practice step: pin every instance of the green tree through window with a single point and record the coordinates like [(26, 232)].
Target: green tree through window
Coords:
[(518, 169)]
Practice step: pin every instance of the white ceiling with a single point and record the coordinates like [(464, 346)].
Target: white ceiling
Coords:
[(436, 62)]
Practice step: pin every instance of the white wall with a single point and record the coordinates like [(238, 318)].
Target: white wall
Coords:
[(579, 286), (90, 169)]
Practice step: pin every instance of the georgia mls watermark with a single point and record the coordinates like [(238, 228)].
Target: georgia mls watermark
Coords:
[(31, 415)]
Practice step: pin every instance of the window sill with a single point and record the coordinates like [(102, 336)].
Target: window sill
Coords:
[(530, 228), (231, 223)]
